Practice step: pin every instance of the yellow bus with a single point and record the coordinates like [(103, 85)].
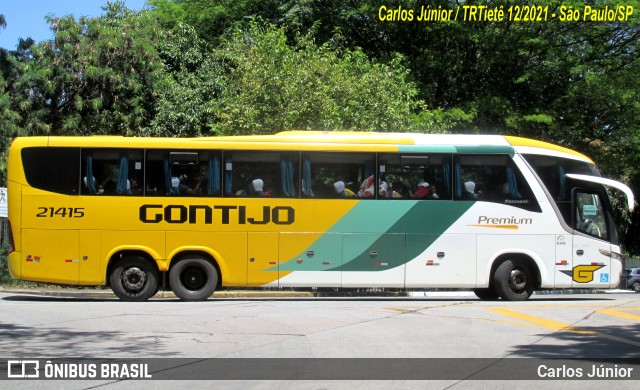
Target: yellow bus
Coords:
[(504, 216)]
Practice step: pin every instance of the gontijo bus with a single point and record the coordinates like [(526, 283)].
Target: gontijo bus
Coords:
[(503, 216)]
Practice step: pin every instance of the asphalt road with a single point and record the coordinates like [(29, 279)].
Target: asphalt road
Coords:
[(87, 328)]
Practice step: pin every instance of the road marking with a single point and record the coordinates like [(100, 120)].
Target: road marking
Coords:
[(561, 326), (621, 313), (540, 322)]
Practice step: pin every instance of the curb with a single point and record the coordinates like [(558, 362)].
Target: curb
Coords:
[(108, 294)]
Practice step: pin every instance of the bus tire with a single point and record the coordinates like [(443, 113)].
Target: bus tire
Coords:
[(513, 281), (193, 279), (486, 294), (134, 279)]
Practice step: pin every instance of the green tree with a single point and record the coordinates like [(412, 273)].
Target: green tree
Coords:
[(189, 92), (97, 75), (211, 19), (274, 86), (8, 117)]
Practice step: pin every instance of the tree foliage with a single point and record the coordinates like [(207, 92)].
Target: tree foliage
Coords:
[(274, 86), (96, 76)]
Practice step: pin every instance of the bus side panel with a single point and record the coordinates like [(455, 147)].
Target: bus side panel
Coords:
[(262, 255), (229, 249), (50, 255), (309, 259), (540, 247), (591, 267), (373, 260), (448, 262), (92, 264)]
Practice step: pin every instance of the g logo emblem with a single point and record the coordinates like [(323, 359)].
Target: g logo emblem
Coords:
[(583, 273)]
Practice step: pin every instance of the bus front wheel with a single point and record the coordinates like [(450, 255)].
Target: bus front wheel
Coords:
[(134, 279), (513, 281), (193, 279)]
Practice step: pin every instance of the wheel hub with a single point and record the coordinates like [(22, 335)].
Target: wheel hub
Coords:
[(193, 278), (517, 280), (134, 279)]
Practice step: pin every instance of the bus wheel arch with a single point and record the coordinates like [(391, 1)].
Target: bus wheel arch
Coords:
[(194, 276), (133, 276), (515, 276)]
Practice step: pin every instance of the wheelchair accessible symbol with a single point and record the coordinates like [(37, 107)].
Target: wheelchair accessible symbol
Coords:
[(604, 278)]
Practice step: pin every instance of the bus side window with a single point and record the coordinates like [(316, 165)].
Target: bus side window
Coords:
[(183, 173), (261, 174), (52, 169), (416, 176), (492, 178), (335, 175)]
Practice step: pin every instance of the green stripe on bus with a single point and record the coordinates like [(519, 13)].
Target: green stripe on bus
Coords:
[(468, 149), (380, 235), (407, 238), (369, 218)]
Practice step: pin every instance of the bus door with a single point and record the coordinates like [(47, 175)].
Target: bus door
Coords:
[(591, 247)]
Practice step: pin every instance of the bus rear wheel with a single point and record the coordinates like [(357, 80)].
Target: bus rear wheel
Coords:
[(134, 279), (193, 279), (513, 281)]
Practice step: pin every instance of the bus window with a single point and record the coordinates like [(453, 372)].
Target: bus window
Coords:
[(552, 171), (589, 215), (111, 172), (183, 173), (424, 177), (52, 169), (492, 178), (261, 174), (339, 175)]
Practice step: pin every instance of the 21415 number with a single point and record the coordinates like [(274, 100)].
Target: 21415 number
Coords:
[(61, 212)]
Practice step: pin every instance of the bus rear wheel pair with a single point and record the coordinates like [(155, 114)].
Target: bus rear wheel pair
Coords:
[(135, 279)]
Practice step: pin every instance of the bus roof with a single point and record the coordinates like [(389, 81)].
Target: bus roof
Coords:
[(327, 140)]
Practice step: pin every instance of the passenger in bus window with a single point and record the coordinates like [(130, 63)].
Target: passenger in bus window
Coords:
[(267, 190), (184, 187), (398, 190), (433, 192), (422, 192), (367, 188), (99, 187), (383, 189), (342, 190), (134, 188), (469, 190), (256, 187)]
